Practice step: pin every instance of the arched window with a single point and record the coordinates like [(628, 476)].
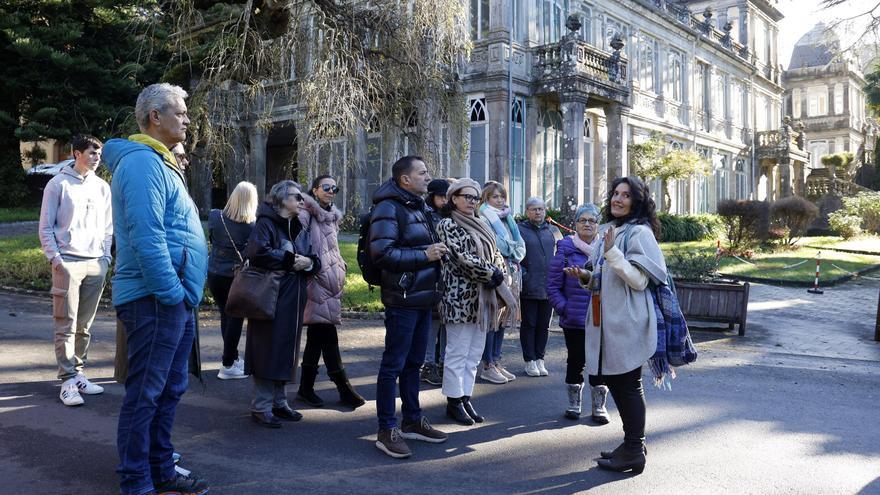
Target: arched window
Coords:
[(478, 162), (517, 146), (550, 142)]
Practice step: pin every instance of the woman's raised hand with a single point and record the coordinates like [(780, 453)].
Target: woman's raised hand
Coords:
[(609, 239)]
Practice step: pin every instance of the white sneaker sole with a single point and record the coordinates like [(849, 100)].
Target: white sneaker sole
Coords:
[(73, 403), (421, 438), (223, 376), (494, 380), (381, 446), (91, 392)]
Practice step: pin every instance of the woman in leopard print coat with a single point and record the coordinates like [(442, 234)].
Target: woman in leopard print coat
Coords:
[(473, 278)]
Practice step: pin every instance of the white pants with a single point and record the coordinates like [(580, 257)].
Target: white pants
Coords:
[(464, 349)]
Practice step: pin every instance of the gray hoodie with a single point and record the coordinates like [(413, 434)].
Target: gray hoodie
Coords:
[(76, 219)]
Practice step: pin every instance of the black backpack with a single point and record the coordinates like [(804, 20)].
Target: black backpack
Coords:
[(372, 274)]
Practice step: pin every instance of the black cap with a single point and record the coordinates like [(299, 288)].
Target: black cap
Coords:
[(438, 187)]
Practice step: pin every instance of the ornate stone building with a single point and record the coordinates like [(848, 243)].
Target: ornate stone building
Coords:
[(824, 91), (555, 118)]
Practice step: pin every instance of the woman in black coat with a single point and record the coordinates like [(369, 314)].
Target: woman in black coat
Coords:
[(278, 242)]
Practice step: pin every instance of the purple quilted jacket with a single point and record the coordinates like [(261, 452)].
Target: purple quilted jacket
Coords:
[(568, 298)]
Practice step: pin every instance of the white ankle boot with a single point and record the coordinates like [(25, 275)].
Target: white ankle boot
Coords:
[(575, 399), (599, 395)]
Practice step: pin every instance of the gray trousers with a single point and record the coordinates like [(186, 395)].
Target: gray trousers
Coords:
[(268, 394), (76, 292)]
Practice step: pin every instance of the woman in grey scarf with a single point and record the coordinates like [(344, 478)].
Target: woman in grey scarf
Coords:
[(621, 330)]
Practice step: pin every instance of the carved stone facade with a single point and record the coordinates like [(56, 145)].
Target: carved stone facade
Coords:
[(585, 80)]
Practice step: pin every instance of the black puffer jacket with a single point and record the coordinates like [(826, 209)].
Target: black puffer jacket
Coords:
[(400, 231)]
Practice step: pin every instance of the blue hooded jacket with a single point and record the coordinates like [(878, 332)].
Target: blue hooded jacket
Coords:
[(160, 245)]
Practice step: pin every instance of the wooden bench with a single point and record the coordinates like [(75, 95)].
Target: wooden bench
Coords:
[(715, 301)]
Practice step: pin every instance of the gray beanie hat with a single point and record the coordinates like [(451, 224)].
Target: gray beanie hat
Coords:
[(462, 183)]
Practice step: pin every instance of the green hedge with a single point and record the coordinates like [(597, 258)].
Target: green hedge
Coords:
[(687, 228)]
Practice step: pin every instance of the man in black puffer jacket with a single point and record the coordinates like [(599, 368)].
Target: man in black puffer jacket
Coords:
[(404, 244)]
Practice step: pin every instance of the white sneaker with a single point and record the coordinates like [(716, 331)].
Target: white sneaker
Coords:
[(239, 363), (87, 387), (231, 372), (70, 393), (532, 368), (490, 374), (541, 368), (506, 374)]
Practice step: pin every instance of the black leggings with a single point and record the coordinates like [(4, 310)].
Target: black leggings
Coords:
[(321, 338), (230, 328), (575, 343), (628, 394)]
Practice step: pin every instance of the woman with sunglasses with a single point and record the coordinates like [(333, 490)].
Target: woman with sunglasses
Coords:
[(571, 301), (324, 307), (473, 277), (279, 242)]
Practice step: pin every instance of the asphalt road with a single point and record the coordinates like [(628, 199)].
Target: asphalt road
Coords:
[(740, 420)]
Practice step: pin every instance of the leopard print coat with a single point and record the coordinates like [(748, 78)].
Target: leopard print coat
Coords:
[(463, 273)]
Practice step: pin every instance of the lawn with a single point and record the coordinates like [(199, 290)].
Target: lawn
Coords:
[(865, 243), (23, 265), (779, 265), (19, 214)]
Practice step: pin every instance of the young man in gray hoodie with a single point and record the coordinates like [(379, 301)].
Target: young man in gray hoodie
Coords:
[(76, 232)]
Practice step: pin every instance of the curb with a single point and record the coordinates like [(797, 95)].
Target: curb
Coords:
[(796, 283), (107, 303), (841, 250)]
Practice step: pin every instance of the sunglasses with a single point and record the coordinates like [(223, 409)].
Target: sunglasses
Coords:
[(298, 196), (470, 198), (327, 188)]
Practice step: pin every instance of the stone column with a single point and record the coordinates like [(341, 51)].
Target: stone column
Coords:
[(617, 117), (235, 163), (573, 107), (256, 169), (199, 175), (498, 132)]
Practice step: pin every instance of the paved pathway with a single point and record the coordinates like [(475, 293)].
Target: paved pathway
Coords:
[(770, 412)]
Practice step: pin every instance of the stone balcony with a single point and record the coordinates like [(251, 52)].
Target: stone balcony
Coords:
[(780, 147), (574, 66)]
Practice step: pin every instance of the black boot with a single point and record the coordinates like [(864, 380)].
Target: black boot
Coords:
[(306, 391), (347, 394), (608, 454), (455, 411), (630, 458), (469, 409)]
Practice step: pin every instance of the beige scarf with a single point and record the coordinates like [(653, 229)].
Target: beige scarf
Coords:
[(488, 306)]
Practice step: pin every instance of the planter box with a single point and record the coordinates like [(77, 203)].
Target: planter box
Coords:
[(725, 302)]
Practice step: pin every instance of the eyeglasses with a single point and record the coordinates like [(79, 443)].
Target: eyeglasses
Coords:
[(329, 189), (470, 198), (298, 196), (583, 221)]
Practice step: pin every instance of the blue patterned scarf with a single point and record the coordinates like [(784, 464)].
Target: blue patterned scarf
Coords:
[(508, 239)]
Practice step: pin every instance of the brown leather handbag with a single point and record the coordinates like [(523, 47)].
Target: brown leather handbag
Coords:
[(254, 291)]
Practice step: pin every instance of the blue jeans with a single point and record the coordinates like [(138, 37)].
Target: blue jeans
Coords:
[(406, 339), (438, 338), (494, 341), (159, 341)]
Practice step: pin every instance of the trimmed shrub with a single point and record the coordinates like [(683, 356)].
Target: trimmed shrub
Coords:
[(848, 226), (746, 223), (692, 266), (686, 228), (792, 216)]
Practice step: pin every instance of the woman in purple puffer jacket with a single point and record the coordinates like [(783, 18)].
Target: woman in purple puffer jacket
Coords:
[(571, 300)]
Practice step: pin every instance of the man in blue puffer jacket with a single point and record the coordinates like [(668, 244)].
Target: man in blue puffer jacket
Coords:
[(161, 266)]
